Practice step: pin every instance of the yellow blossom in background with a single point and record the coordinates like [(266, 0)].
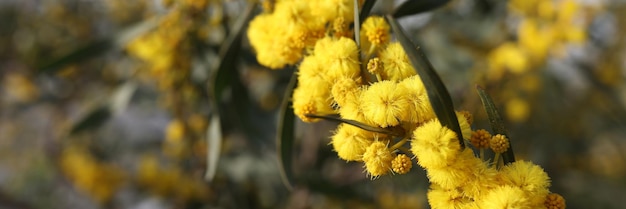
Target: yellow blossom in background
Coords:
[(517, 110), (19, 88), (507, 57), (98, 179)]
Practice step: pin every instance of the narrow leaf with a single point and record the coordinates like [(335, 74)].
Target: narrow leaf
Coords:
[(366, 9), (229, 54), (285, 134), (357, 24), (98, 47), (214, 144), (497, 125), (412, 7), (437, 93), (394, 131), (93, 119)]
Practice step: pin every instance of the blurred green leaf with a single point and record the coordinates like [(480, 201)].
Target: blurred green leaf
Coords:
[(97, 47), (214, 144), (394, 131), (285, 134), (88, 51), (497, 125), (229, 54), (412, 7), (366, 9), (93, 119), (437, 93)]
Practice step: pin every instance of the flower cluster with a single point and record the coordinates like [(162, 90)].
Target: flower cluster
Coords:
[(375, 87)]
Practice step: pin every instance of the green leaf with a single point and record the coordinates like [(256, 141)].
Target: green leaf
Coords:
[(412, 7), (285, 134), (394, 131), (229, 54), (97, 47), (93, 119), (214, 145), (357, 24), (366, 9), (497, 125), (437, 93)]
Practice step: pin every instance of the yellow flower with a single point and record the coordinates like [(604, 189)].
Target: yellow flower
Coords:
[(505, 197), (464, 171), (420, 108), (350, 142), (499, 143), (435, 146), (401, 164), (507, 57), (340, 57), (535, 40), (175, 131), (448, 198), (530, 178), (480, 139), (377, 158), (345, 90), (396, 63), (375, 66), (374, 33), (517, 109), (383, 103), (328, 10), (554, 201), (311, 100)]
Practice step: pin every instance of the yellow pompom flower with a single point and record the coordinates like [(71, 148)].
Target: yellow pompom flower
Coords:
[(350, 142), (530, 178), (374, 33), (401, 164), (340, 57), (311, 70), (311, 100), (439, 197), (554, 201), (377, 158), (504, 197), (383, 103), (434, 145), (420, 108), (480, 139), (396, 62), (463, 172), (344, 91), (499, 143)]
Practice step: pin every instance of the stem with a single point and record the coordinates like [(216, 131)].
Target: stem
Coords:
[(496, 159), (482, 154), (399, 144)]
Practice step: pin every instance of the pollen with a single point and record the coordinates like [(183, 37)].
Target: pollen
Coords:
[(401, 164), (480, 139), (499, 143), (555, 201)]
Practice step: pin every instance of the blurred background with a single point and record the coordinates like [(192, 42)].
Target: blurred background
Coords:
[(110, 104)]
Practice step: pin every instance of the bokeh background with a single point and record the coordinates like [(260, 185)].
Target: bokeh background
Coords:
[(109, 104)]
